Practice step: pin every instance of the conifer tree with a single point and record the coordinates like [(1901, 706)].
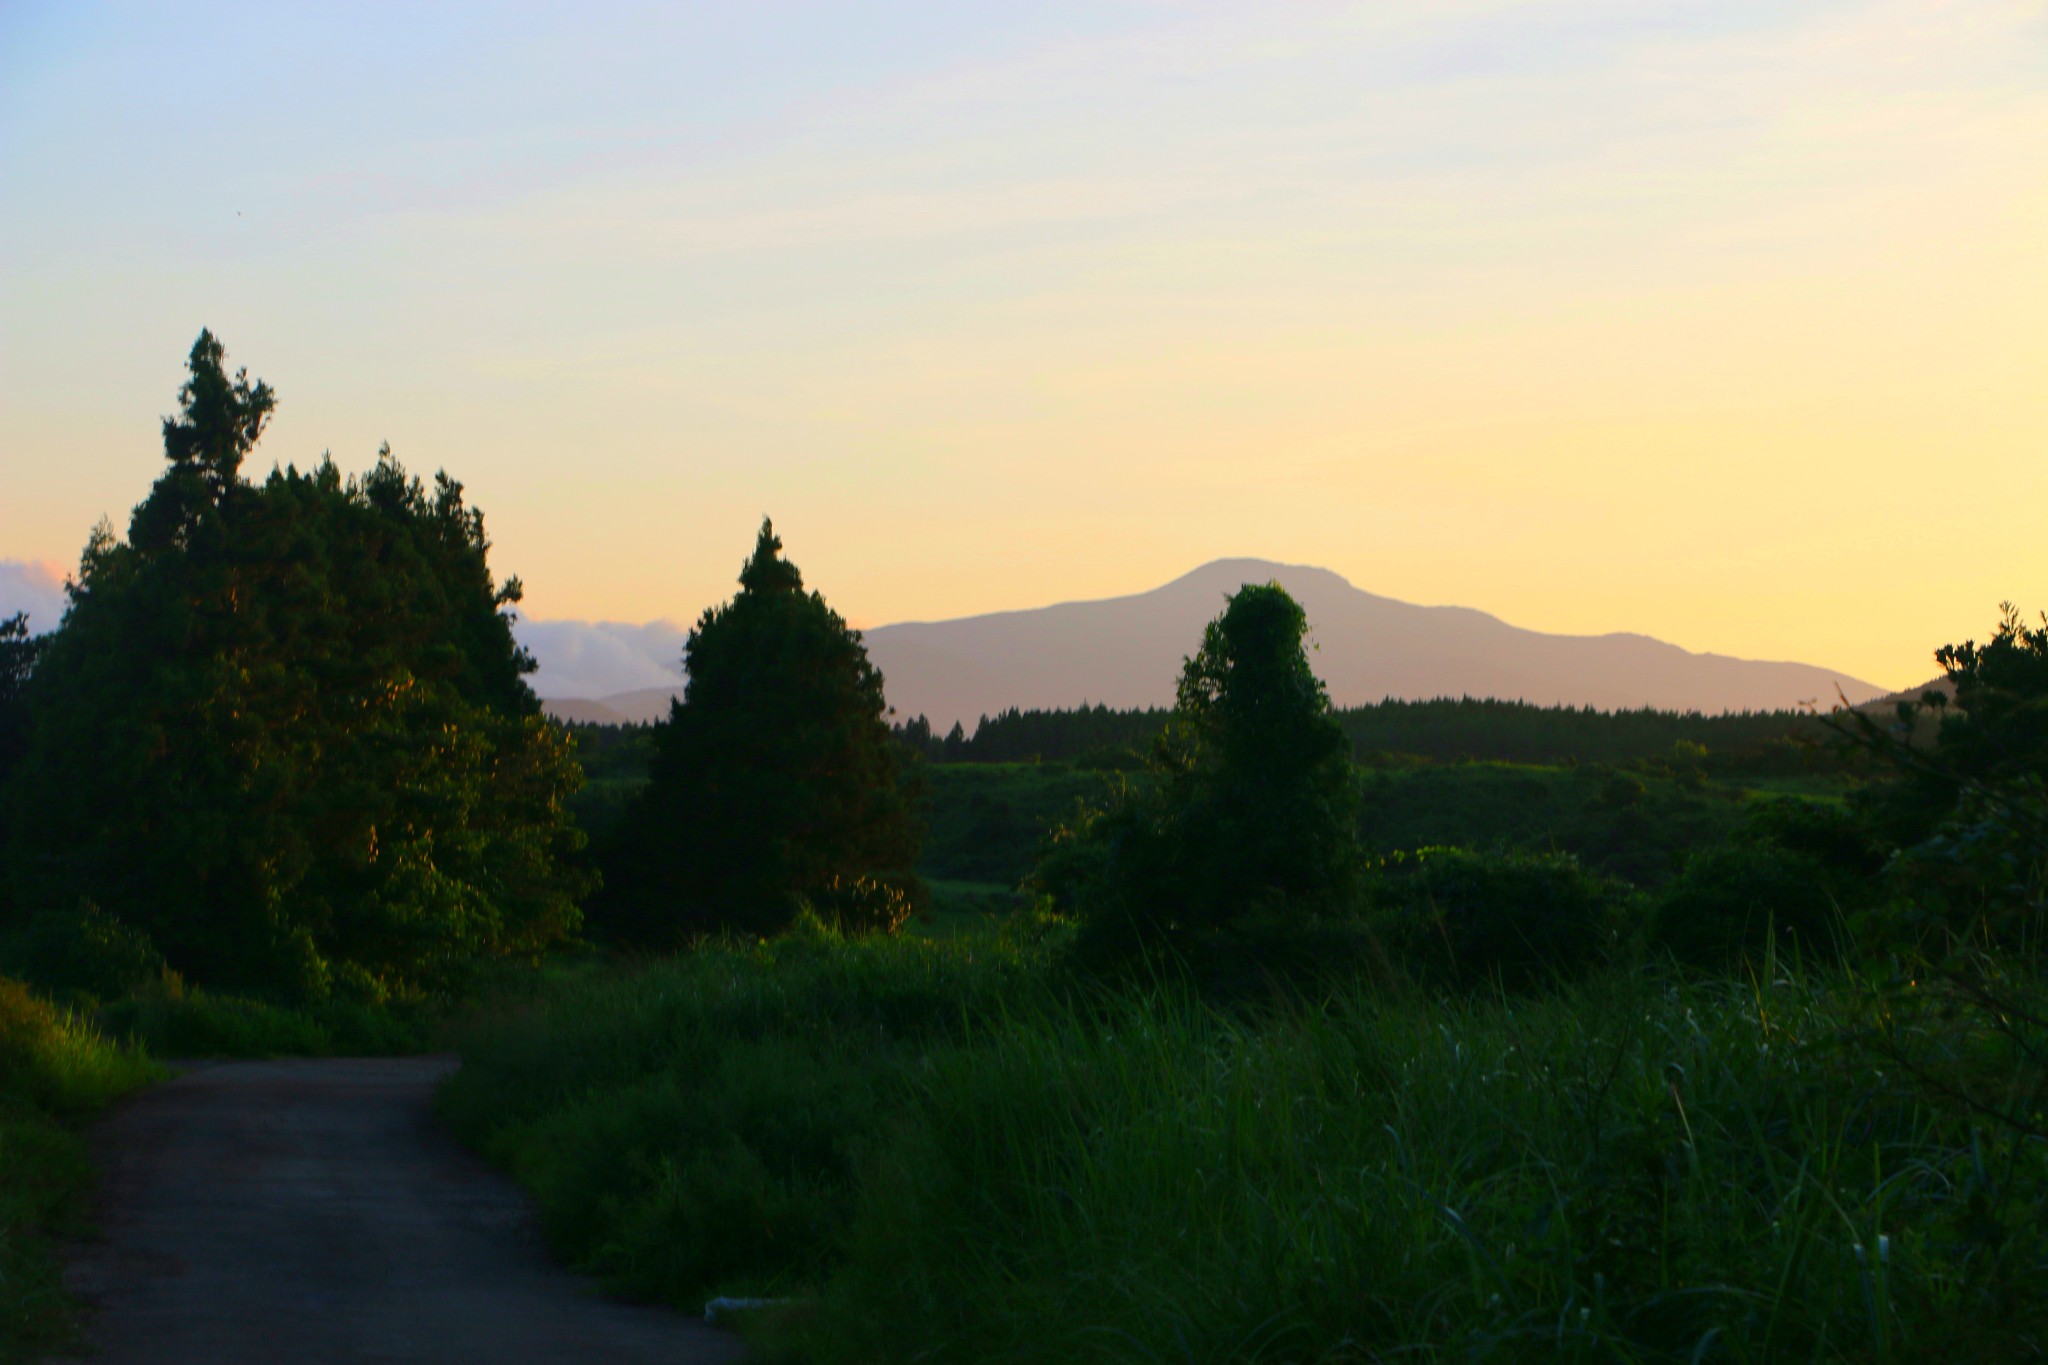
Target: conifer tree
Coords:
[(775, 780)]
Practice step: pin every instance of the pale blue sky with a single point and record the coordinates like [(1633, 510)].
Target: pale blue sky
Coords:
[(1599, 316)]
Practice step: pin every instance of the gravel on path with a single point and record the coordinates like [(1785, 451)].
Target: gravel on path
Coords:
[(312, 1211)]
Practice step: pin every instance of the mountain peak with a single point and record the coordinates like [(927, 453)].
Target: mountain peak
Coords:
[(1228, 575), (1127, 652)]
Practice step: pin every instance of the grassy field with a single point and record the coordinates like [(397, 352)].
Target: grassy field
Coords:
[(940, 1152), (55, 1071)]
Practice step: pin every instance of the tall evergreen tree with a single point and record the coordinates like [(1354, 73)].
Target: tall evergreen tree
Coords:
[(1251, 807), (284, 734), (775, 780)]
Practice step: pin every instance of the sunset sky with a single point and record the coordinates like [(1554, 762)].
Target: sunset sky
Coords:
[(1722, 322)]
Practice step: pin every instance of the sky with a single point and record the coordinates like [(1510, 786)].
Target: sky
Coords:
[(1722, 322)]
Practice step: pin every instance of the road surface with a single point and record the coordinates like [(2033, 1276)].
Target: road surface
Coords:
[(312, 1212)]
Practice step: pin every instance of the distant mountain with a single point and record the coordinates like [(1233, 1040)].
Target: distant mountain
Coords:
[(1127, 651), (581, 711)]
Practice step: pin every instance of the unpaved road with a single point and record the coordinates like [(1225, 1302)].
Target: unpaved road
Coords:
[(312, 1211)]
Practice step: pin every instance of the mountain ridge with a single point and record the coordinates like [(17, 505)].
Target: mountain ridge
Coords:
[(1126, 652)]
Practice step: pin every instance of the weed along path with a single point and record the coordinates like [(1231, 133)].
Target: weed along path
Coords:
[(313, 1212)]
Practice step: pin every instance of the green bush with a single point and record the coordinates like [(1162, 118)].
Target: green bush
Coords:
[(868, 905), (84, 951), (1512, 919), (55, 1070), (1738, 902)]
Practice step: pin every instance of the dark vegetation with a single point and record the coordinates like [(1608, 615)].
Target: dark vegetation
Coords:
[(1405, 733), (282, 744), (55, 1070), (1670, 1058), (1248, 1030), (774, 787)]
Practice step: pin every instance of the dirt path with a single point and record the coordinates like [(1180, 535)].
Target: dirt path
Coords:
[(311, 1211)]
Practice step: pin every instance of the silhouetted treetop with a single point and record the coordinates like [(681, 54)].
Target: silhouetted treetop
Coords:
[(774, 781), (765, 570)]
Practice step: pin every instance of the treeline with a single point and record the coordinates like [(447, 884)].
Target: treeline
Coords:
[(282, 745), (1446, 729), (1017, 736), (1518, 732)]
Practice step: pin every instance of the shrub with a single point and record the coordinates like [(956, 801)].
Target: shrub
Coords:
[(1731, 903), (1514, 919), (868, 905), (85, 952)]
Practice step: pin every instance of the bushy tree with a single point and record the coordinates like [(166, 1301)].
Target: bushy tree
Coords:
[(775, 781), (2001, 692), (284, 734), (1249, 807)]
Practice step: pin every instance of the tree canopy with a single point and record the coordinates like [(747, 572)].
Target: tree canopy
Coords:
[(284, 734), (774, 779)]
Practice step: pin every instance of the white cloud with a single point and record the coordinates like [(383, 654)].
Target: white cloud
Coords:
[(35, 588), (601, 658)]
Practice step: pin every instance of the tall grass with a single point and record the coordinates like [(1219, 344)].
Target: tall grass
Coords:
[(949, 1160), (173, 1020), (55, 1069), (694, 1128)]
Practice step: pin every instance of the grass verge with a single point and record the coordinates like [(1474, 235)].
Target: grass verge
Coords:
[(186, 1022), (948, 1159), (55, 1071)]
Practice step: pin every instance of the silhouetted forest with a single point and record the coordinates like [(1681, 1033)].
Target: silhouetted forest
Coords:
[(1444, 730)]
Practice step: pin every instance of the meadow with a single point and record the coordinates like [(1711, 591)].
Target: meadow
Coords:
[(1624, 1064), (950, 1150)]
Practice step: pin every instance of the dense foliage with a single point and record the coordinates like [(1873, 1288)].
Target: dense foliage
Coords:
[(774, 784), (283, 739), (1251, 805), (1515, 920)]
